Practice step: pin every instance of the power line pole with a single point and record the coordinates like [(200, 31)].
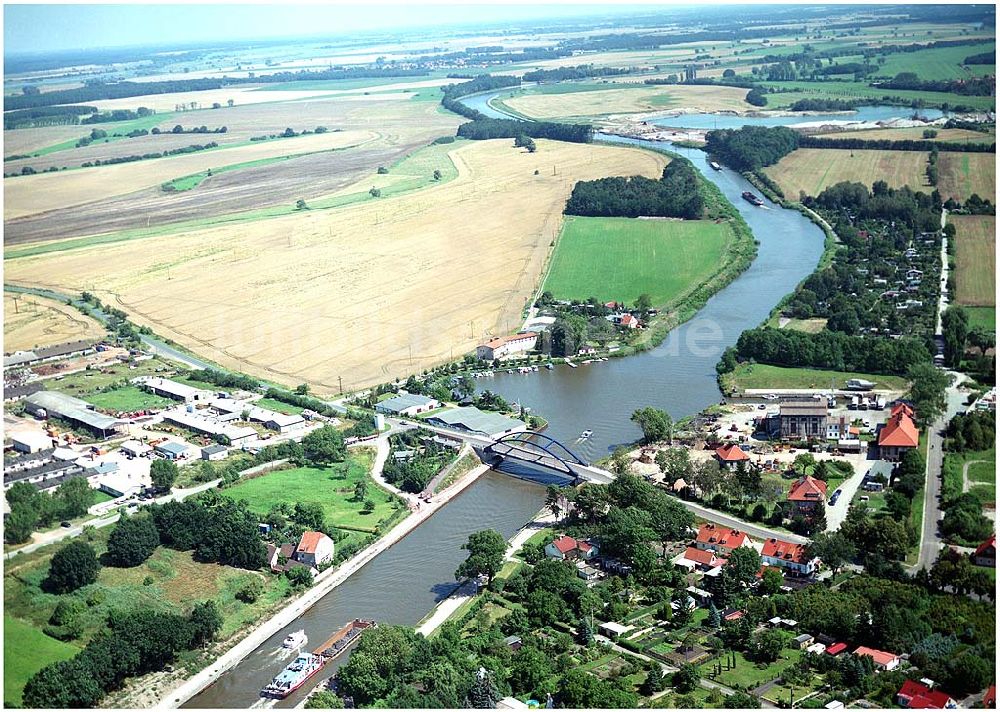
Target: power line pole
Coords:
[(340, 384)]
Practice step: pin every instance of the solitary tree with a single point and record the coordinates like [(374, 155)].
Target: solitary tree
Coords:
[(73, 566), (163, 473), (486, 550), (656, 424), (360, 490)]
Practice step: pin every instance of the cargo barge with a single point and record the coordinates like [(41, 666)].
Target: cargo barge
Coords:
[(306, 665), (752, 199)]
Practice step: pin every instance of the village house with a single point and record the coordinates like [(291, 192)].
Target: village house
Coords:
[(502, 347), (898, 434), (407, 404), (281, 559), (627, 321), (806, 492), (882, 659), (986, 553), (314, 549), (789, 556), (803, 420), (919, 696), (720, 539), (566, 548), (729, 455), (694, 559)]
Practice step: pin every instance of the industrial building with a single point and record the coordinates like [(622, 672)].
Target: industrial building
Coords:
[(45, 404)]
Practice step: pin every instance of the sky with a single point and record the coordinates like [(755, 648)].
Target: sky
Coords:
[(42, 28)]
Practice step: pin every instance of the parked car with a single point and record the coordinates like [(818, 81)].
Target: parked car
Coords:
[(65, 524)]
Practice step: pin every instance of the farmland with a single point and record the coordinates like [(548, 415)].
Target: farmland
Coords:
[(962, 174), (982, 316), (938, 63), (31, 321), (916, 133), (617, 259), (628, 100), (810, 170), (975, 257), (18, 667), (306, 276), (790, 92)]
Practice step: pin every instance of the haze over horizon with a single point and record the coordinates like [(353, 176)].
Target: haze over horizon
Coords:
[(53, 28)]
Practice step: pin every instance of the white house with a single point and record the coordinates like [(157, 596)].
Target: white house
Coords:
[(789, 556), (501, 347), (566, 547), (314, 549)]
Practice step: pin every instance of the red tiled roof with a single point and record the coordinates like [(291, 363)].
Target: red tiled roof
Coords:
[(917, 696), (988, 544), (498, 341), (836, 648), (901, 407), (990, 698), (564, 544), (309, 542), (807, 489), (628, 319), (731, 453), (705, 558), (899, 431), (785, 550), (731, 538), (880, 657)]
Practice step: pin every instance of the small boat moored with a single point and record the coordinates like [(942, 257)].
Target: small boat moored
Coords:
[(294, 641), (715, 166)]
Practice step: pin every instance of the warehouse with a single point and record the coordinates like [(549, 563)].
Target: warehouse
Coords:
[(473, 420), (48, 404)]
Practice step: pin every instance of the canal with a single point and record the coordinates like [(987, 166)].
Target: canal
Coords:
[(399, 586), (403, 584)]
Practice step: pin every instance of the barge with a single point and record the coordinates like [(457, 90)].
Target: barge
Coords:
[(306, 665), (752, 199)]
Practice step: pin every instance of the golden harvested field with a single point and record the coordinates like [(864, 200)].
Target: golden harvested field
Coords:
[(366, 292), (21, 141), (813, 169), (625, 101), (34, 322), (915, 134), (975, 259), (962, 174), (27, 195)]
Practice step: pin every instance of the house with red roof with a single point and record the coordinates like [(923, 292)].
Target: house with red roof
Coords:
[(986, 553), (699, 559), (882, 659), (788, 556), (723, 540), (314, 549), (628, 321), (806, 492), (836, 649), (731, 454), (990, 698), (566, 548), (898, 434), (918, 696)]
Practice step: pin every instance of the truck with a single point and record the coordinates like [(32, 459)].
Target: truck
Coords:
[(854, 403)]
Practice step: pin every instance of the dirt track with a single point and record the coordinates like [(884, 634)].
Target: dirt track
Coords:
[(366, 292)]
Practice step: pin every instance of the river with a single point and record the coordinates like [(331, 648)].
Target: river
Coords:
[(404, 583), (399, 586)]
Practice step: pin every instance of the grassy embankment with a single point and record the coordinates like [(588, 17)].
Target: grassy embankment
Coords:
[(410, 173), (759, 375)]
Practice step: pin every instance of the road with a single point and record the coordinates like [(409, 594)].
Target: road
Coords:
[(754, 530), (45, 538), (930, 537)]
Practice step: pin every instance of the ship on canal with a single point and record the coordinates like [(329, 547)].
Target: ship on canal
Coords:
[(306, 665), (752, 199)]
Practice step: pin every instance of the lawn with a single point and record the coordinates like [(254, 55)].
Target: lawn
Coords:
[(749, 674), (26, 650), (129, 398), (332, 487), (278, 406), (617, 259), (975, 259), (86, 382), (763, 376), (810, 170), (962, 174)]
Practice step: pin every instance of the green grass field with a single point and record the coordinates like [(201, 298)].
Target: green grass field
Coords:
[(90, 382), (617, 259), (982, 316), (279, 406), (975, 259), (128, 398), (938, 63), (332, 487), (759, 375), (793, 91), (26, 650)]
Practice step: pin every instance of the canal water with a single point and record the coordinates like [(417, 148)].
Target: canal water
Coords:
[(404, 583), (398, 586), (728, 121)]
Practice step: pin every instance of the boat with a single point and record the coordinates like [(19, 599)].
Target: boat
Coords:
[(752, 199), (586, 434), (295, 640), (715, 166), (549, 366), (297, 672), (295, 675)]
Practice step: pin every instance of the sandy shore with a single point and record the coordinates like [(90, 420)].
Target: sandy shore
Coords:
[(325, 582)]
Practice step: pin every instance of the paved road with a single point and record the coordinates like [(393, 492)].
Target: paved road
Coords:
[(755, 530)]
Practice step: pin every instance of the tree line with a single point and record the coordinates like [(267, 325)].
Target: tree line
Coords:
[(751, 147), (982, 58), (675, 194), (582, 71), (486, 128), (118, 115), (45, 116), (825, 104), (32, 509), (484, 82), (896, 145)]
